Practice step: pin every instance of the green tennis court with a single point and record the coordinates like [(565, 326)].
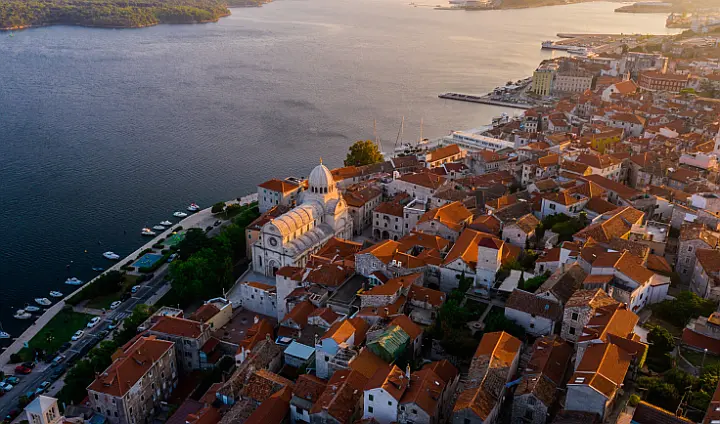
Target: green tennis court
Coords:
[(174, 239)]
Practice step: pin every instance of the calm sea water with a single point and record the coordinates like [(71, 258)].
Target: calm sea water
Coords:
[(103, 132)]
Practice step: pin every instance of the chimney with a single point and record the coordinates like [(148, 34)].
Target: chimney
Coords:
[(407, 372), (256, 319)]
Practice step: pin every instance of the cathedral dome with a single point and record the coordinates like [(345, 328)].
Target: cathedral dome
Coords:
[(321, 180)]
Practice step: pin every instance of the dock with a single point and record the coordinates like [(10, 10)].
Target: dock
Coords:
[(484, 100)]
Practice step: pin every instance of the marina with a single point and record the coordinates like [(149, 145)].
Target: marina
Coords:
[(483, 99)]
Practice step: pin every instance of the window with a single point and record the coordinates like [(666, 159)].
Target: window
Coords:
[(96, 396), (552, 206), (402, 408), (370, 409), (571, 330), (531, 400), (574, 316), (327, 359), (414, 411), (370, 398), (389, 403), (528, 414), (532, 325), (467, 421), (689, 248)]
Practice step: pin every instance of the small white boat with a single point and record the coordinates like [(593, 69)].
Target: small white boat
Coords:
[(74, 281), (56, 294), (98, 268), (43, 301), (193, 207), (4, 335), (31, 308), (159, 228), (179, 214), (21, 314), (166, 223), (111, 255), (147, 232)]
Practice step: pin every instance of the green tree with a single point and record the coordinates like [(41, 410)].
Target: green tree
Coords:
[(218, 207), (685, 306), (131, 323), (661, 341), (195, 240), (363, 152)]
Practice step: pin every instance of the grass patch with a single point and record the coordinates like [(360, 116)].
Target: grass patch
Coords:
[(655, 320), (57, 331), (696, 358), (103, 301)]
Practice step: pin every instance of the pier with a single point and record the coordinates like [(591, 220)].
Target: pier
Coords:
[(484, 100)]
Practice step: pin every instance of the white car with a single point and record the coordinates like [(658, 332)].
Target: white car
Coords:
[(135, 289), (77, 335), (93, 322), (115, 304), (6, 387)]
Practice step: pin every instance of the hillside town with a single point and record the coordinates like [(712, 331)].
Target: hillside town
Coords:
[(561, 266)]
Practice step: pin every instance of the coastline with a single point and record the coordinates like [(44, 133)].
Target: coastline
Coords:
[(188, 222)]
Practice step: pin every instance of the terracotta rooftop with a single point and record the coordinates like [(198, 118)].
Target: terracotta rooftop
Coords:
[(130, 366), (603, 368), (618, 225), (500, 347), (279, 186), (410, 328), (530, 303), (342, 330), (273, 410), (205, 312), (391, 379), (453, 215), (424, 390), (300, 313), (443, 153), (366, 363), (178, 327), (423, 179), (341, 394), (423, 294), (593, 299), (258, 332), (709, 259)]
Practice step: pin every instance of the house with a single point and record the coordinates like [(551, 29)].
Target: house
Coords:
[(296, 320), (451, 376), (188, 337), (706, 274), (423, 304), (336, 347), (693, 237), (305, 394), (597, 379), (536, 314), (633, 125), (646, 413), (391, 344), (341, 400), (623, 88), (258, 297), (142, 375), (298, 355), (261, 330), (215, 313), (604, 165), (421, 402), (614, 224), (414, 253), (361, 202), (565, 280), (261, 385), (493, 366), (276, 192), (447, 221), (421, 185), (273, 410), (543, 377), (383, 392), (521, 231), (387, 222), (475, 255), (443, 155), (579, 309)]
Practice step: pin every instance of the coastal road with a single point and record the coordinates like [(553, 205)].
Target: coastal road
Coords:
[(44, 372)]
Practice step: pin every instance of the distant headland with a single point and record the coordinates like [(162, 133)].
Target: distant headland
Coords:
[(17, 14)]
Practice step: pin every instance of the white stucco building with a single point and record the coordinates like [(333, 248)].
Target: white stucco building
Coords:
[(290, 239)]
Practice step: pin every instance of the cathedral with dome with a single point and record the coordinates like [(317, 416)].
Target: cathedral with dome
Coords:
[(291, 238)]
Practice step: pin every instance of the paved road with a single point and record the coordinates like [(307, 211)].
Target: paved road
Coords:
[(44, 372)]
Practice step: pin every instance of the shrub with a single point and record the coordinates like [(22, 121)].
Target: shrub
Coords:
[(165, 251), (158, 246), (218, 207), (634, 400), (178, 228), (15, 358)]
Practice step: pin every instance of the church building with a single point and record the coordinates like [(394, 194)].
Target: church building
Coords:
[(291, 238)]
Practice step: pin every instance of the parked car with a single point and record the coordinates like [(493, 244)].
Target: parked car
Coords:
[(11, 415), (216, 223), (29, 364), (43, 388), (172, 257), (77, 335), (57, 360), (6, 387), (103, 334), (115, 304), (112, 325), (12, 380), (135, 289), (65, 346), (93, 322), (20, 369), (60, 370)]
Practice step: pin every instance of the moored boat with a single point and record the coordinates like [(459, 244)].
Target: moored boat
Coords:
[(56, 294), (111, 255), (147, 232), (193, 207), (4, 335), (159, 228), (74, 281), (43, 301), (30, 308), (98, 268), (166, 223), (22, 314), (179, 214)]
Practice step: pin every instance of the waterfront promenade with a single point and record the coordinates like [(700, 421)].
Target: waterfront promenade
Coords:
[(200, 219)]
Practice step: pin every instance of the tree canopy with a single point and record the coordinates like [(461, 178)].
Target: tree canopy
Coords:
[(363, 152)]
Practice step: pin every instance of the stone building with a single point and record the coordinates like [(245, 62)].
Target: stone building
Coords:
[(543, 378), (260, 298), (387, 221), (293, 237), (692, 238), (579, 309), (706, 275), (277, 193), (140, 378), (361, 202), (447, 221), (306, 392), (188, 336)]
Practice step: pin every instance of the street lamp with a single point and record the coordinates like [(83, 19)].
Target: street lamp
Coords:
[(702, 365)]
